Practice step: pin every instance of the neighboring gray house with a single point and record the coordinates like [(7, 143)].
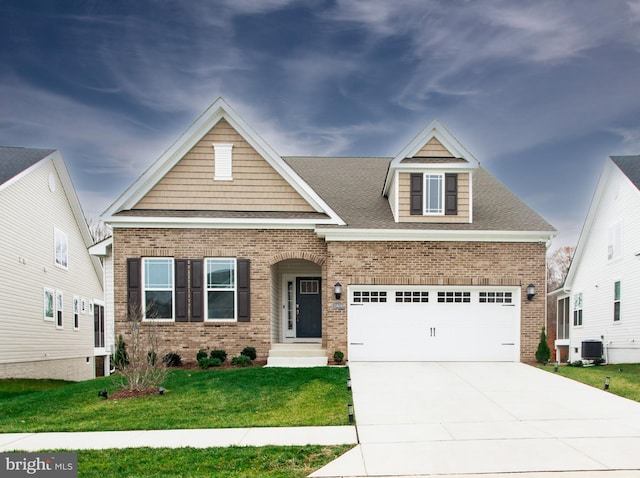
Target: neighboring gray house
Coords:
[(600, 301), (51, 295)]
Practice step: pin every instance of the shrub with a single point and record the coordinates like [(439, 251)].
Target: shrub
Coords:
[(207, 362), (577, 363), (241, 361), (120, 356), (338, 356), (249, 352), (152, 357), (599, 361), (219, 354), (201, 354), (172, 359), (543, 354)]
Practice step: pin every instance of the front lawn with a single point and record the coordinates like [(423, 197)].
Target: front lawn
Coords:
[(13, 387), (624, 378), (231, 398), (234, 462)]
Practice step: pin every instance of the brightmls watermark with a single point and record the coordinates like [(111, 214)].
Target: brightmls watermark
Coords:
[(39, 465)]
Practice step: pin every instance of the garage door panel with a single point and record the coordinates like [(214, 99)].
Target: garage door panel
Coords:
[(434, 325)]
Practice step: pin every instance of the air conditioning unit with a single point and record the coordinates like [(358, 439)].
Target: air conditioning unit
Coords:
[(591, 349)]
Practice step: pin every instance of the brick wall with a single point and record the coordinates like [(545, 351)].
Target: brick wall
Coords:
[(388, 263), (439, 263)]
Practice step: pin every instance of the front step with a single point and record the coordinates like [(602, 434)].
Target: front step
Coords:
[(297, 355)]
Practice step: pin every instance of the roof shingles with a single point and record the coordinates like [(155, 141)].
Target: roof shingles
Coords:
[(15, 160)]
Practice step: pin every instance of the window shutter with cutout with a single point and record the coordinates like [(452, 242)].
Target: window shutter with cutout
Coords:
[(416, 194), (244, 309), (197, 290), (451, 194), (133, 287), (181, 290)]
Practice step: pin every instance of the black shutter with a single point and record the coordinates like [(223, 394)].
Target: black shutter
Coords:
[(181, 290), (244, 309), (451, 194), (133, 288), (416, 194), (197, 297)]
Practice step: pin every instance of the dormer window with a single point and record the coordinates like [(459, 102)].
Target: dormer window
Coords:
[(434, 194)]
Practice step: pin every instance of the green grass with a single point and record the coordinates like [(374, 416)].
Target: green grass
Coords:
[(14, 387), (252, 397), (625, 378), (234, 462)]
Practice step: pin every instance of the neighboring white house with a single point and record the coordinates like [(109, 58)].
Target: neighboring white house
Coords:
[(600, 301), (51, 294)]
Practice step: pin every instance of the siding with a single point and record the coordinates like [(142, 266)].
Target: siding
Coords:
[(404, 202), (596, 276), (256, 186), (434, 149), (29, 212)]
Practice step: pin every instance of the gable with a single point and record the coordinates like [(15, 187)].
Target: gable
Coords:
[(434, 149), (253, 185)]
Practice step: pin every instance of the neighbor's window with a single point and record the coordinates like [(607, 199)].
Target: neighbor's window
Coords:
[(433, 194), (614, 242), (616, 302), (49, 305), (577, 310), (221, 294), (59, 302), (158, 288), (61, 248), (76, 313)]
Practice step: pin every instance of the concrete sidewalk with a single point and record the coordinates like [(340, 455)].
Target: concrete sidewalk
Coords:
[(196, 438)]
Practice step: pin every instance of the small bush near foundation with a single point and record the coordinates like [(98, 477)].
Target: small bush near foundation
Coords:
[(172, 359), (577, 363), (219, 354), (338, 356), (207, 362), (200, 355), (241, 361), (599, 361), (249, 352)]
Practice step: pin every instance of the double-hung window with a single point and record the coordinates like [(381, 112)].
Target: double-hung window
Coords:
[(577, 310), (433, 194), (157, 280), (616, 302), (221, 297)]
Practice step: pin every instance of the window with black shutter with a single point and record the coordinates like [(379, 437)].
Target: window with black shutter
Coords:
[(416, 194), (451, 194)]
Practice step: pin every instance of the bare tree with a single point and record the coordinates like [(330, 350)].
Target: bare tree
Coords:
[(558, 266), (144, 370), (98, 229)]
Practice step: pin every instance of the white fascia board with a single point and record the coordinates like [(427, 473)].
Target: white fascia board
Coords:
[(340, 234), (101, 249), (215, 223), (218, 110)]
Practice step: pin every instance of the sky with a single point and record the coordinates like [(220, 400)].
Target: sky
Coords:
[(540, 92)]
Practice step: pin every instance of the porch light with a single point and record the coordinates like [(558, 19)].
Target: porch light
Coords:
[(337, 290), (351, 415), (607, 381), (531, 291)]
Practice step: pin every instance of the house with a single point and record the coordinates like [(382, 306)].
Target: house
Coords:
[(51, 293), (598, 307), (424, 256)]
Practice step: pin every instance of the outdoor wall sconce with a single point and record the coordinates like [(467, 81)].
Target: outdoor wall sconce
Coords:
[(607, 381), (351, 415), (337, 290), (531, 291)]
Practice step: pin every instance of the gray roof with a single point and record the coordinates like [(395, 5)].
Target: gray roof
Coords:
[(630, 166), (15, 160), (353, 188)]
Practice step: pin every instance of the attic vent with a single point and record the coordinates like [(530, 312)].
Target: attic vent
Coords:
[(222, 168)]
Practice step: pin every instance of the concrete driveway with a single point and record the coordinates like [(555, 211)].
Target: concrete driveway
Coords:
[(455, 418)]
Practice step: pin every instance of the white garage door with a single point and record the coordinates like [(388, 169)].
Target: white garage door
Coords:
[(434, 323)]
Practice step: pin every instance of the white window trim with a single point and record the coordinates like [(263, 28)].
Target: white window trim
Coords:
[(223, 162), (618, 301), (575, 308), (144, 291), (60, 310), (52, 293), (425, 194), (234, 289), (61, 237), (76, 312), (614, 242)]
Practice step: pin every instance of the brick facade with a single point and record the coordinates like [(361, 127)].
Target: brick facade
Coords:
[(350, 263)]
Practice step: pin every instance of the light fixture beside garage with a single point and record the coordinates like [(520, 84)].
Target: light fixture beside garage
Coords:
[(337, 290), (531, 291)]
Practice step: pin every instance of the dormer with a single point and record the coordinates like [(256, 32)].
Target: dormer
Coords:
[(430, 180)]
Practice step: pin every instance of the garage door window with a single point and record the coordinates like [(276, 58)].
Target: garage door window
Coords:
[(412, 296), (369, 296), (454, 297), (496, 297)]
